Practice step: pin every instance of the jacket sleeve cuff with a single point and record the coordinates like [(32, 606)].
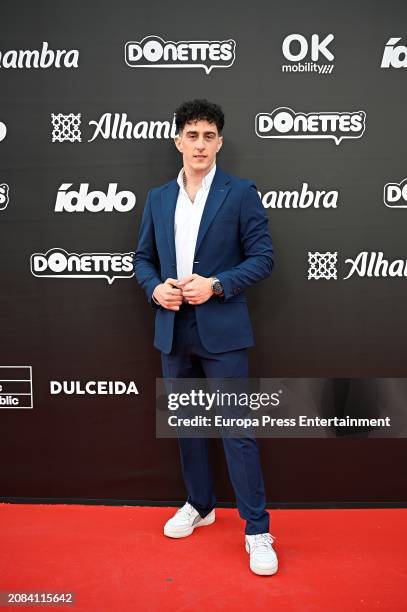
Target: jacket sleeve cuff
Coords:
[(227, 286), (150, 290), (155, 301)]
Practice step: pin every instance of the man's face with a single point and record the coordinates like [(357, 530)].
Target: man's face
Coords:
[(199, 143)]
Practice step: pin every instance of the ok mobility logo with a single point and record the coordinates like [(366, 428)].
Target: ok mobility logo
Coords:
[(283, 122), (57, 263), (155, 52), (304, 54)]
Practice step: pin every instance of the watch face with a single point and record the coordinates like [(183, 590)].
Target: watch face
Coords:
[(217, 287)]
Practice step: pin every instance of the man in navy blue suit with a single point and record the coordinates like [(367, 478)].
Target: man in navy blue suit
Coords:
[(203, 241)]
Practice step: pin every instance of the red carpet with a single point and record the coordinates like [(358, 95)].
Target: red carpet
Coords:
[(116, 559)]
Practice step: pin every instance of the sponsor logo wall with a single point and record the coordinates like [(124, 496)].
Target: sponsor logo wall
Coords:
[(308, 54), (286, 123), (92, 387), (305, 197), (71, 200), (16, 387), (4, 195), (154, 52), (57, 263), (315, 115), (3, 130), (39, 58), (365, 264), (115, 126), (394, 55), (395, 194)]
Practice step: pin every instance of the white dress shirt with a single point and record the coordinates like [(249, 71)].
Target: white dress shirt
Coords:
[(187, 220)]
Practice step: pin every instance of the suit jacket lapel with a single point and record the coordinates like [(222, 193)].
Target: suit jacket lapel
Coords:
[(217, 193)]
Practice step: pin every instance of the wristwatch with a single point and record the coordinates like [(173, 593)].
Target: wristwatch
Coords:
[(216, 286)]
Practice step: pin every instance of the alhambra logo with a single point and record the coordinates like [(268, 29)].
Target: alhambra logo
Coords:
[(109, 126), (366, 264), (43, 58)]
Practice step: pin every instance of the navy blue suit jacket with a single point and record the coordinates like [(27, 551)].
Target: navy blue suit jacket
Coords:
[(233, 244)]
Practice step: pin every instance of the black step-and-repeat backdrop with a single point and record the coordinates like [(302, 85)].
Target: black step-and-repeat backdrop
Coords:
[(314, 96)]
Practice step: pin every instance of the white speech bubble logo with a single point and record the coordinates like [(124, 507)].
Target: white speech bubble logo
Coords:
[(57, 260), (282, 120), (152, 50), (3, 131), (4, 195), (395, 194)]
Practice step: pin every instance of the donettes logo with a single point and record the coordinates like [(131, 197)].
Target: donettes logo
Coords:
[(155, 52)]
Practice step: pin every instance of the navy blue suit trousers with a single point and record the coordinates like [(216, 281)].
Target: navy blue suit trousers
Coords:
[(189, 359)]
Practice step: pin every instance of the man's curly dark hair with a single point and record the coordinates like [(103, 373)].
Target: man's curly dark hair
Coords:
[(195, 110)]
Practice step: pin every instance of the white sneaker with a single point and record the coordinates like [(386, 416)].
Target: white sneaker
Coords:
[(185, 520), (263, 559)]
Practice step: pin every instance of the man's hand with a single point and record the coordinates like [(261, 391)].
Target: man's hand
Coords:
[(168, 295), (196, 289)]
